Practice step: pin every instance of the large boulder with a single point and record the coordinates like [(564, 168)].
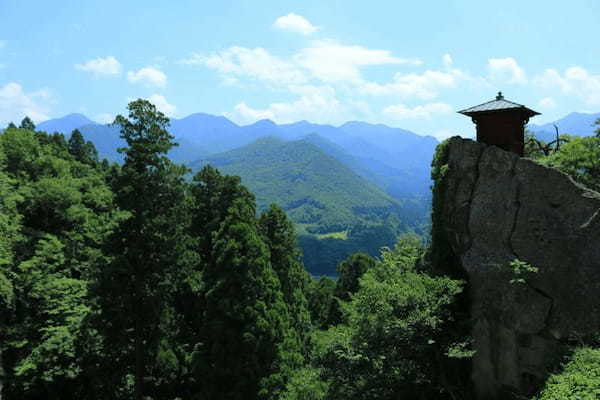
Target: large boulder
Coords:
[(497, 208)]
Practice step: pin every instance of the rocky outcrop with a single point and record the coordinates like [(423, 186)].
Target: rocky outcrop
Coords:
[(498, 207)]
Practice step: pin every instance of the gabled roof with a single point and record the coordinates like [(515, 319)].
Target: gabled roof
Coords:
[(499, 104)]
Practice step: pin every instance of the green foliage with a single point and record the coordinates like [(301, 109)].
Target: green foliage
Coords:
[(349, 272), (579, 158), (28, 124), (82, 151), (278, 232), (148, 249), (320, 296), (305, 384), (245, 315), (533, 146), (520, 270), (306, 186), (9, 234), (21, 149), (580, 378), (322, 255), (395, 337), (320, 193), (440, 257), (55, 309)]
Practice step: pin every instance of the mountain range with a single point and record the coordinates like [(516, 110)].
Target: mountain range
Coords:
[(348, 188), (577, 124), (395, 159)]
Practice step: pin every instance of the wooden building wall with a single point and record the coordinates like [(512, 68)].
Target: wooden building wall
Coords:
[(505, 130)]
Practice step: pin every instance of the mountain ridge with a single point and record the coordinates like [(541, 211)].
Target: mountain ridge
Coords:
[(575, 123)]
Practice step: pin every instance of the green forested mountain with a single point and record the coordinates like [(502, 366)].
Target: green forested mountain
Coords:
[(336, 211), (314, 188)]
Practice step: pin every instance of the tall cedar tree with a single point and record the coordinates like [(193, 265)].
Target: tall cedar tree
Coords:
[(279, 234), (246, 339), (147, 249)]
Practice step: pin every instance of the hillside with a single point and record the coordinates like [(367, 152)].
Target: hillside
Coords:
[(314, 188), (337, 212)]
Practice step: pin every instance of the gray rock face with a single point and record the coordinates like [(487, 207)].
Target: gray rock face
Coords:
[(498, 208)]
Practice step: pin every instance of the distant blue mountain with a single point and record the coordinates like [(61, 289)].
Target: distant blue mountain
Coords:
[(396, 160), (212, 133), (578, 124), (66, 124)]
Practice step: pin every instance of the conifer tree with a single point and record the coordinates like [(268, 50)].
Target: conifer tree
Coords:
[(77, 145), (246, 338), (147, 249), (350, 271), (28, 124), (281, 239)]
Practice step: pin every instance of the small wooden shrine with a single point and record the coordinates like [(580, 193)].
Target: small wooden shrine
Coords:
[(501, 123)]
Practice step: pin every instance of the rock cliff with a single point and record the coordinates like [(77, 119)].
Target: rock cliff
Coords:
[(496, 207)]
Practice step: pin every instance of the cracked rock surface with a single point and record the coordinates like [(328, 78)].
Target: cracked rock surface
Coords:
[(499, 207)]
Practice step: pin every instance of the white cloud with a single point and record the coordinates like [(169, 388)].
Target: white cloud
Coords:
[(315, 103), (447, 60), (331, 61), (400, 111), (105, 118), (547, 102), (295, 23), (506, 69), (326, 61), (247, 114), (15, 104), (163, 105), (575, 81), (254, 63), (101, 66), (2, 43), (148, 76), (423, 86)]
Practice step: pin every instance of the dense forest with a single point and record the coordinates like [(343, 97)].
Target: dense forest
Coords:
[(122, 281)]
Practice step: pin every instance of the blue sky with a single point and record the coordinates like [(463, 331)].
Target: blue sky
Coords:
[(404, 64)]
